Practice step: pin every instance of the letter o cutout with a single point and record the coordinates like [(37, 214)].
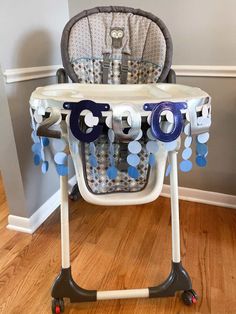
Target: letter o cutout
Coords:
[(76, 109), (178, 121)]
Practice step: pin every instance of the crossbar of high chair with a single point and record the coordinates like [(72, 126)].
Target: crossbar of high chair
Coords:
[(123, 294)]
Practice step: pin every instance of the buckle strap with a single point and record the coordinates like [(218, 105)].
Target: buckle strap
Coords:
[(105, 67), (124, 68)]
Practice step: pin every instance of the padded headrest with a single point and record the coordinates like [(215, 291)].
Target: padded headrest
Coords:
[(109, 33)]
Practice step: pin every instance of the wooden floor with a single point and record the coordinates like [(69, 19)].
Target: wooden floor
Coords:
[(117, 248)]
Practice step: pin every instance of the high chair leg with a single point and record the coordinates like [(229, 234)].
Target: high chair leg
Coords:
[(64, 285), (174, 207), (178, 278), (64, 210)]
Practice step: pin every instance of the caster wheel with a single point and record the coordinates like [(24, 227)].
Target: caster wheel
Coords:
[(74, 195), (57, 306), (189, 297)]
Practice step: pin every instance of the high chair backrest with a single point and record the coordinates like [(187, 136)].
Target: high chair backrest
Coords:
[(116, 45)]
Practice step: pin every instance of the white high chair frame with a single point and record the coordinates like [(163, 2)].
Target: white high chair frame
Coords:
[(59, 95), (178, 279)]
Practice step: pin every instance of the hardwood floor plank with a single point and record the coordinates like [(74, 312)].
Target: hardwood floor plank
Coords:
[(119, 248)]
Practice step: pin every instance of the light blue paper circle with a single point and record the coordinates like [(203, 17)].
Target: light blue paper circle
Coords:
[(92, 148), (187, 153), (185, 165), (187, 129), (93, 161), (188, 141), (134, 147), (35, 137), (133, 172), (62, 170), (44, 167), (203, 138), (152, 160), (112, 172), (133, 160), (201, 161), (152, 147), (201, 149), (36, 148), (60, 158), (111, 149)]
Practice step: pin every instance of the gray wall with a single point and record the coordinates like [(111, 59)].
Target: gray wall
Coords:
[(203, 33), (30, 33)]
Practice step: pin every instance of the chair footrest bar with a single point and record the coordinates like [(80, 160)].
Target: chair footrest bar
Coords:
[(122, 294)]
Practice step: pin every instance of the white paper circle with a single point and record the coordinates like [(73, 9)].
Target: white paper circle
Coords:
[(58, 144), (133, 160), (149, 135), (187, 129), (60, 158), (203, 138), (188, 141), (134, 147), (149, 119), (204, 111), (152, 147), (90, 120), (111, 135), (139, 135), (68, 119), (187, 115), (41, 110), (169, 116), (38, 118), (109, 121)]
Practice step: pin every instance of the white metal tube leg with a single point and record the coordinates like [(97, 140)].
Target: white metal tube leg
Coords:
[(174, 207), (65, 241)]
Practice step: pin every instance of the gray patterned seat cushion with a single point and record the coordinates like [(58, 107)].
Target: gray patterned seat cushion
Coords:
[(146, 41)]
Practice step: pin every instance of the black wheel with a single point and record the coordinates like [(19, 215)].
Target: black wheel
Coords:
[(74, 195), (189, 297), (57, 306)]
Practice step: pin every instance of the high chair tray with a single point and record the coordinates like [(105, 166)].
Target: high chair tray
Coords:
[(105, 93)]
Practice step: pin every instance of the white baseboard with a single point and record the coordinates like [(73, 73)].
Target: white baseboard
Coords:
[(205, 70), (205, 197), (29, 225), (24, 74)]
